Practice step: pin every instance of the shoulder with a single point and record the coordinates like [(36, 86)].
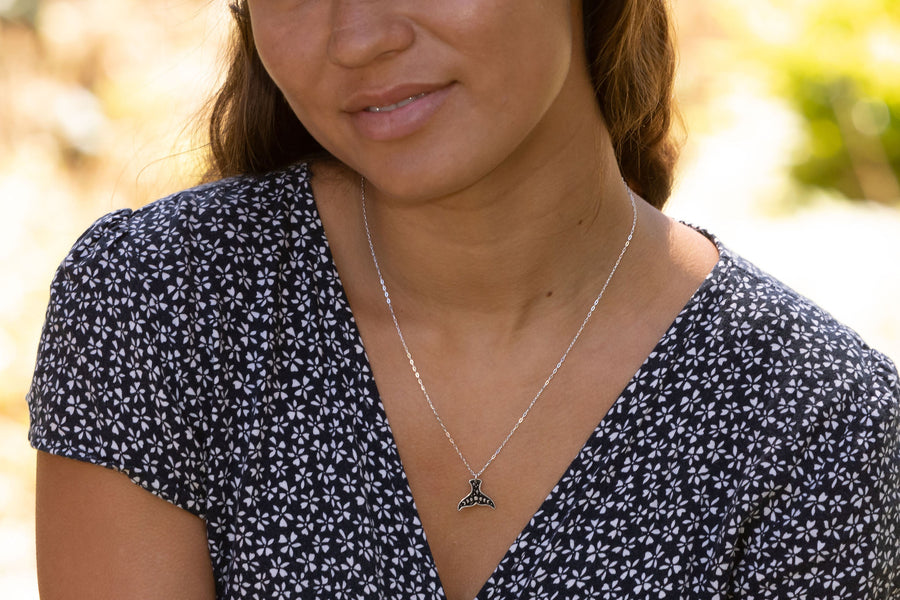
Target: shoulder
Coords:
[(790, 353), (224, 221), (750, 305), (241, 196), (225, 208), (210, 246)]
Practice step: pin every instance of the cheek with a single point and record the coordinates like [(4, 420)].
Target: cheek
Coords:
[(291, 39), (532, 59), (526, 43)]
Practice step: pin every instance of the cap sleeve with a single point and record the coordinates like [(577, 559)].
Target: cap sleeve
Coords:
[(885, 457), (104, 390)]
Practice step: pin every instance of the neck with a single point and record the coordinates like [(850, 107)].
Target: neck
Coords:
[(508, 245)]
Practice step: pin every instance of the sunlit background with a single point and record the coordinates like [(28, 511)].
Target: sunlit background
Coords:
[(792, 110)]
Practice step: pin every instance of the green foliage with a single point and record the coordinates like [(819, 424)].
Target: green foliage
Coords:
[(853, 139), (839, 66), (23, 11)]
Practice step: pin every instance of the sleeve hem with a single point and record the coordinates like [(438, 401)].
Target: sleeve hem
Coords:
[(136, 473)]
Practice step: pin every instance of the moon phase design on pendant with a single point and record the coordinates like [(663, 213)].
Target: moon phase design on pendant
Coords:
[(476, 497)]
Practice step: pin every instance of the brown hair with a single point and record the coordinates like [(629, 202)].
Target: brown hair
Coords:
[(631, 55)]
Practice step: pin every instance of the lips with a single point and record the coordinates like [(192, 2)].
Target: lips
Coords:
[(388, 99), (395, 106), (397, 112)]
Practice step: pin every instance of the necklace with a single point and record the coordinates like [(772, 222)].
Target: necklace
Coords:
[(476, 497)]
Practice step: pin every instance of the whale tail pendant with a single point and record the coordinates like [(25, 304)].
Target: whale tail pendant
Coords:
[(476, 497)]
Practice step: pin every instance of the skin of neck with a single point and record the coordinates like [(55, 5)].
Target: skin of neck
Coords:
[(511, 244)]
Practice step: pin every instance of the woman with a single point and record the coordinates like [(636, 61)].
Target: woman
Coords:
[(456, 201)]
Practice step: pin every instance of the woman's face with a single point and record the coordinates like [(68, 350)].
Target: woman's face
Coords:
[(425, 97)]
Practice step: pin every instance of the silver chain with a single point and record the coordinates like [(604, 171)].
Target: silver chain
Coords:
[(559, 364)]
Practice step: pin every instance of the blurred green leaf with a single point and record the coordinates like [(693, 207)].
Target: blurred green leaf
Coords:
[(839, 67)]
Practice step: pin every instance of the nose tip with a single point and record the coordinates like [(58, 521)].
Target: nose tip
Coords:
[(364, 31)]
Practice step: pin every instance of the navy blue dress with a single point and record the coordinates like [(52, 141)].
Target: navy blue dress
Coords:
[(203, 345)]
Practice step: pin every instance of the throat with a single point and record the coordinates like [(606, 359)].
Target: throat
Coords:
[(497, 258)]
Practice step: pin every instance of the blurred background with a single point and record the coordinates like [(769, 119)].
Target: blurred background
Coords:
[(791, 110)]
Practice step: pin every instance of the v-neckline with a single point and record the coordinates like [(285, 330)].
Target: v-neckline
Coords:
[(563, 491)]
